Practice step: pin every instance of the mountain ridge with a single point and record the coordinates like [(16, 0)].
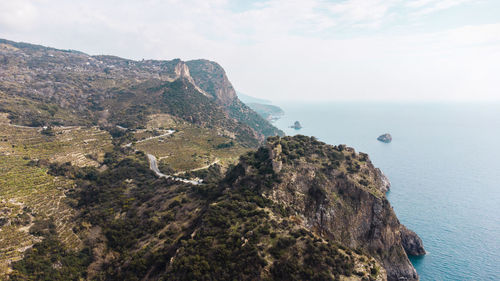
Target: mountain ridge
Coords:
[(75, 81)]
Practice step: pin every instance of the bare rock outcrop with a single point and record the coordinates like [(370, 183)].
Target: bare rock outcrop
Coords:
[(212, 78), (412, 244), (385, 184)]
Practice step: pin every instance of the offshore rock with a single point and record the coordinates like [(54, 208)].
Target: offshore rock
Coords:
[(387, 138), (296, 125)]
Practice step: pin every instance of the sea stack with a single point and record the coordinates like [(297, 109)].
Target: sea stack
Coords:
[(387, 138), (296, 125)]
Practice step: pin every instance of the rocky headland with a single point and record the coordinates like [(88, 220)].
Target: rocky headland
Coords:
[(268, 111), (340, 196)]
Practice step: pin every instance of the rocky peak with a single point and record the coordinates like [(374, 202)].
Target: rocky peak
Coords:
[(182, 70), (212, 78)]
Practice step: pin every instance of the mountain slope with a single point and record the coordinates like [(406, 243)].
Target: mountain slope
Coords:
[(212, 78), (87, 90), (268, 111), (296, 209)]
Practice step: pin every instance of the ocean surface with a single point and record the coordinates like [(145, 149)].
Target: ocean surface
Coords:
[(444, 166)]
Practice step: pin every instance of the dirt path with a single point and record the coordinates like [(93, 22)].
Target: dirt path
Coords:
[(217, 160), (169, 132), (153, 163)]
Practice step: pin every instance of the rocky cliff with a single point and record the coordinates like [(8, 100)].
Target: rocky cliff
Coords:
[(212, 79), (339, 195)]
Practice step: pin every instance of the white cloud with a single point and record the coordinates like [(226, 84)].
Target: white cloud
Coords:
[(18, 15), (425, 7), (363, 10)]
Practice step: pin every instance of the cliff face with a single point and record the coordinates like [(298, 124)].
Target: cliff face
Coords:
[(338, 194), (212, 79)]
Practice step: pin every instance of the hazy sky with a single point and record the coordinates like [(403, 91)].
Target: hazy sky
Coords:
[(286, 49)]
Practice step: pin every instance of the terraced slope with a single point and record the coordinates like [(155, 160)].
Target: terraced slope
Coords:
[(31, 199), (31, 195)]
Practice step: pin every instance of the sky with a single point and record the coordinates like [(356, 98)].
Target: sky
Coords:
[(397, 50)]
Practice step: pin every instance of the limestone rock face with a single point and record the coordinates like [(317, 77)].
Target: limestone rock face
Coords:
[(212, 78), (411, 242), (181, 70), (344, 203)]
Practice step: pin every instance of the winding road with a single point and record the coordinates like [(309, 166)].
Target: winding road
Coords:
[(153, 165)]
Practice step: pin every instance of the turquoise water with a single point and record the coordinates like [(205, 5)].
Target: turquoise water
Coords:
[(444, 166)]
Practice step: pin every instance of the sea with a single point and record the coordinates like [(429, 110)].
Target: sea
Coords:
[(444, 167)]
